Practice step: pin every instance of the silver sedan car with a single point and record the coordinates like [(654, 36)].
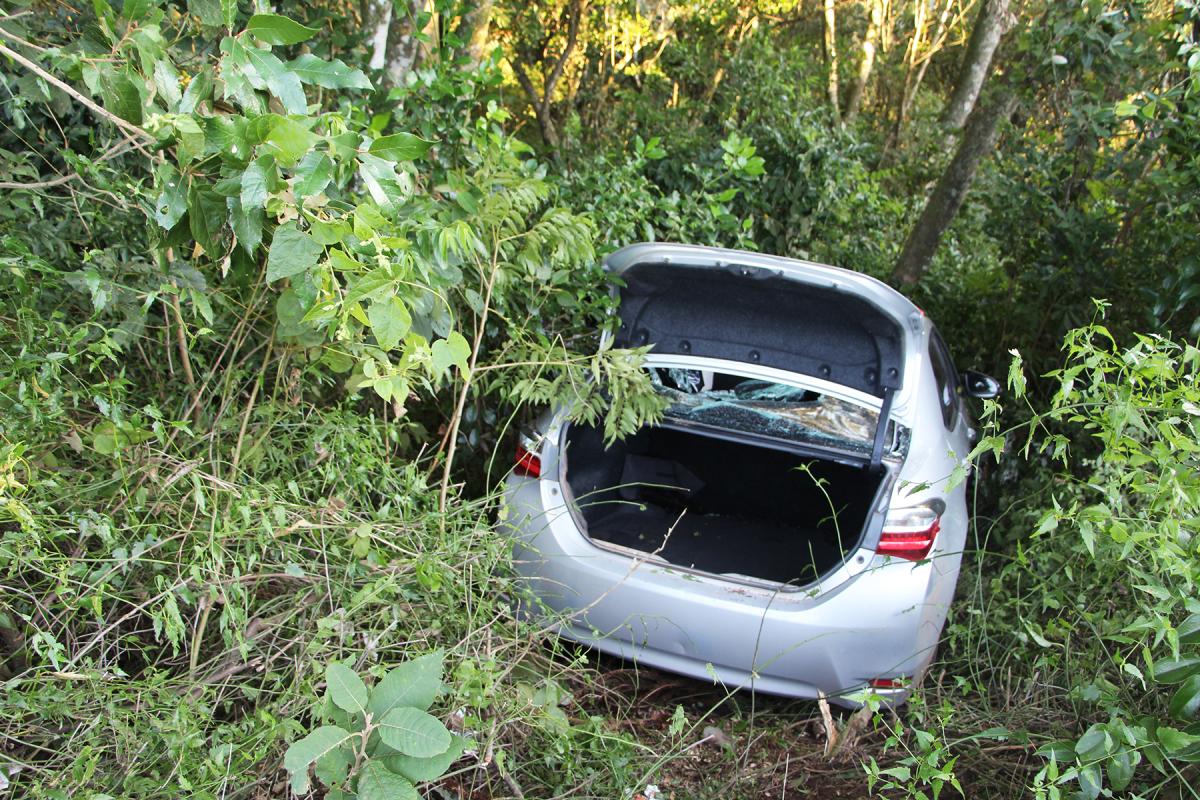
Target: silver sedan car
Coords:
[(790, 525)]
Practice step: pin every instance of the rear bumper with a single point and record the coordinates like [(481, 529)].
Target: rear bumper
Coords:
[(881, 622)]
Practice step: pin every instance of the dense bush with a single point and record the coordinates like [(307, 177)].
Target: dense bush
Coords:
[(270, 316)]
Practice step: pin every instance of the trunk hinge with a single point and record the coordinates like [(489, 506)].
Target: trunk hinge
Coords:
[(881, 429)]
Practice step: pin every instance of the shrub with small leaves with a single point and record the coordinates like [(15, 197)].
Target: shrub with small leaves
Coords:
[(376, 743)]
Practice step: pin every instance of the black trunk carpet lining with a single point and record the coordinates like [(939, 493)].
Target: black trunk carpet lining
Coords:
[(719, 544)]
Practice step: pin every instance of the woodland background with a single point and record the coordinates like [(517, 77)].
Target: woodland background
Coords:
[(279, 283)]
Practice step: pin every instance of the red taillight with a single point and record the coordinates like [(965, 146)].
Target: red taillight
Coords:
[(528, 462), (886, 683), (909, 534)]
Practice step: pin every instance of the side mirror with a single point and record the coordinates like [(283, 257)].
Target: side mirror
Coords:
[(976, 384)]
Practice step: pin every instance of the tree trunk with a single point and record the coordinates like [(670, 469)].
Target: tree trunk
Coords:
[(867, 63), (474, 29), (831, 58), (397, 50), (543, 102), (985, 37), (978, 139)]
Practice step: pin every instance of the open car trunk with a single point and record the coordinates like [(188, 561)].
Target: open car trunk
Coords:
[(718, 505)]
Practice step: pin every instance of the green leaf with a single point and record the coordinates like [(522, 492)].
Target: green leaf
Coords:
[(331, 74), (292, 251), (313, 174), (121, 96), (276, 29), (1094, 744), (1185, 703), (414, 683), (254, 185), (229, 13), (377, 782), (333, 767), (247, 225), (1174, 670), (453, 350), (307, 750), (1120, 768), (206, 216), (209, 11), (171, 204), (1090, 781), (381, 180), (400, 147), (419, 770), (1189, 630), (1174, 740), (372, 282), (199, 90), (190, 137), (277, 78), (290, 140), (413, 732), (348, 691), (166, 82), (390, 321)]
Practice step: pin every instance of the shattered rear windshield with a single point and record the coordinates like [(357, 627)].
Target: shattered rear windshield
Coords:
[(759, 407)]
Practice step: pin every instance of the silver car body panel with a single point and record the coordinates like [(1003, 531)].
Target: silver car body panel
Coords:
[(873, 616)]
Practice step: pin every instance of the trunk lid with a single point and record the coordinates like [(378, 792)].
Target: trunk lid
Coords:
[(813, 320)]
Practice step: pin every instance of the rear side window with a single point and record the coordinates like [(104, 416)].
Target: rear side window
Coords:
[(946, 377)]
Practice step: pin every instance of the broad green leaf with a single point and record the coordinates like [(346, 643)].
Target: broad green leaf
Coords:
[(276, 29), (1095, 743), (1174, 740), (345, 688), (381, 180), (171, 204), (419, 770), (209, 11), (254, 185), (277, 78), (290, 140), (166, 82), (313, 174), (121, 96), (206, 216), (414, 683), (239, 78), (109, 437), (1185, 703), (377, 782), (330, 233), (333, 767), (413, 732), (198, 90), (1120, 768), (390, 321), (292, 251), (453, 350), (1175, 670), (190, 138), (307, 750), (1091, 781), (247, 225), (1189, 630), (400, 147), (1061, 751), (372, 282), (229, 13), (331, 74)]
